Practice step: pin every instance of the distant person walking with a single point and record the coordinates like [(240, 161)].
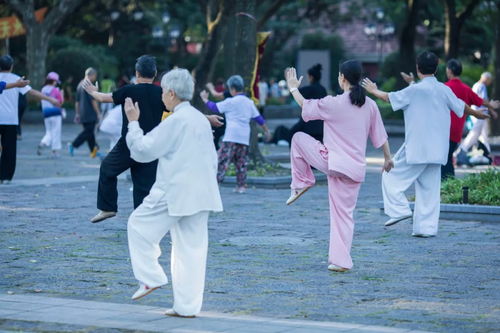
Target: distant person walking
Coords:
[(239, 111), (52, 116), (9, 116), (349, 120), (87, 113)]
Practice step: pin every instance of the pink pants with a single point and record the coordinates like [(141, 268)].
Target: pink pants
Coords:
[(342, 194)]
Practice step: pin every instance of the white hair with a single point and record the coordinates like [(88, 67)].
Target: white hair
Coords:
[(486, 75), (180, 81)]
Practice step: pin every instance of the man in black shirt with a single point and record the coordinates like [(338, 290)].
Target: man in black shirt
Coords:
[(118, 160)]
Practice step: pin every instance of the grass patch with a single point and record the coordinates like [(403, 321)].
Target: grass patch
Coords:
[(261, 170), (483, 188)]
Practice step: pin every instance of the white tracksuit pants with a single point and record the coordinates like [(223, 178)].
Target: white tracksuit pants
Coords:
[(52, 137), (427, 179), (147, 225), (480, 131)]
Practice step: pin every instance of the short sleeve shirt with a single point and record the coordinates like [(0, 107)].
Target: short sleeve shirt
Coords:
[(426, 106), (9, 99), (239, 111), (150, 103), (480, 89)]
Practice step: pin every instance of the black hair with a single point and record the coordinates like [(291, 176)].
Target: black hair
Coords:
[(352, 71), (6, 62), (49, 82), (146, 66), (455, 66), (315, 72), (427, 63)]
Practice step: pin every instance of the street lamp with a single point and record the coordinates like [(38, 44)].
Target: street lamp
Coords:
[(381, 31)]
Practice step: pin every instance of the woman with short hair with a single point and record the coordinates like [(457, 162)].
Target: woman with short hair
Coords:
[(184, 193)]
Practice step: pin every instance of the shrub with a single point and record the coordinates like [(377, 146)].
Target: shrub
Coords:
[(72, 62), (483, 188)]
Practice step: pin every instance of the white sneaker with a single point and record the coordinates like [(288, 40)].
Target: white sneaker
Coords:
[(143, 291), (101, 216), (295, 194), (394, 220), (172, 313), (335, 268), (240, 190)]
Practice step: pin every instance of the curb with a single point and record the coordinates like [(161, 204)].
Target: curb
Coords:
[(280, 182), (464, 212)]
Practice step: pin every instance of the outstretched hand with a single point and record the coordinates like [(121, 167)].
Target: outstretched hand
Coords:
[(89, 86), (409, 78), (388, 165), (215, 120), (132, 110), (291, 78), (369, 85), (22, 82), (204, 96), (495, 104)]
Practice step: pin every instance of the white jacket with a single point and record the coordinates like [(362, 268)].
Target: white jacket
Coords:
[(187, 161)]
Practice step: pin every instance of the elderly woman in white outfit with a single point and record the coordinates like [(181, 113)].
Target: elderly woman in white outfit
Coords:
[(180, 200)]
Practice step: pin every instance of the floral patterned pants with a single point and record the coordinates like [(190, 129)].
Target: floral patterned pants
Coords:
[(236, 153)]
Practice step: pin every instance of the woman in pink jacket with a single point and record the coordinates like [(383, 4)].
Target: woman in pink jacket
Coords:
[(349, 119)]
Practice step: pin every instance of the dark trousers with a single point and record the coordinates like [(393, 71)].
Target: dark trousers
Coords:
[(9, 150), (448, 170), (284, 133), (117, 161), (218, 134), (88, 134)]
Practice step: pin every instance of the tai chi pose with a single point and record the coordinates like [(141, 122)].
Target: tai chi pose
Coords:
[(239, 111), (349, 119), (118, 159), (52, 116), (426, 107), (480, 130), (180, 200)]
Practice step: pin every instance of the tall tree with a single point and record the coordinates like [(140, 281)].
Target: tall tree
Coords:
[(454, 21), (38, 34), (407, 39)]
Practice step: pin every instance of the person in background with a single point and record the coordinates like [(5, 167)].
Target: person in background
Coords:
[(426, 106), (349, 120), (107, 86), (274, 88), (9, 116), (315, 127), (219, 92), (22, 99), (181, 199), (87, 113), (263, 92), (466, 94), (52, 116), (239, 111), (480, 130)]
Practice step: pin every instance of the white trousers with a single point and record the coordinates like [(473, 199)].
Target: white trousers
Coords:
[(427, 179), (147, 225), (52, 137), (480, 131)]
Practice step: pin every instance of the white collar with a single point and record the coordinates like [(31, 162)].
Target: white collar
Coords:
[(181, 105)]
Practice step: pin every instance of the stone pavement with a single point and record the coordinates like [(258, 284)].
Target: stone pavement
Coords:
[(90, 315), (265, 259)]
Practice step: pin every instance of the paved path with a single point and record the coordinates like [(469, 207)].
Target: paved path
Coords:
[(90, 315), (265, 259)]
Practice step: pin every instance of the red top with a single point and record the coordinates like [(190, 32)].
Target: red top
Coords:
[(465, 93)]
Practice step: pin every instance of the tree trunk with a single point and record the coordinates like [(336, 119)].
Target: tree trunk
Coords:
[(452, 32), (37, 43), (407, 41)]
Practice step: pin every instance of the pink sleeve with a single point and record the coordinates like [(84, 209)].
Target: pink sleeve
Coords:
[(56, 93), (378, 135), (318, 109)]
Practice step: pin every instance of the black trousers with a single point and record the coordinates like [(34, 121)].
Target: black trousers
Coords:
[(117, 161), (448, 170), (284, 133), (9, 151), (88, 134)]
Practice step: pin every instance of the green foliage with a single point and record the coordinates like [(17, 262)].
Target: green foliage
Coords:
[(386, 110), (261, 170), (332, 43), (483, 188)]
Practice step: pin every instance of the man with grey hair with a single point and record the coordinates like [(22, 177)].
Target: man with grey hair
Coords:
[(480, 130), (87, 113), (184, 193)]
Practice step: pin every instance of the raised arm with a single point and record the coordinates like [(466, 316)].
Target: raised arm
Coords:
[(372, 88), (476, 113), (92, 90), (293, 84), (38, 95)]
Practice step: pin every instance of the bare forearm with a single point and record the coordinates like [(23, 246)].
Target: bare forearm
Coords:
[(381, 94), (38, 95), (102, 97), (298, 97), (387, 150), (470, 111)]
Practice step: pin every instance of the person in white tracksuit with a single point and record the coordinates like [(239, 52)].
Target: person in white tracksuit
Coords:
[(426, 106), (184, 193)]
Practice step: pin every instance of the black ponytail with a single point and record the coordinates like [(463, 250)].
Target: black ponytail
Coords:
[(352, 71), (315, 72)]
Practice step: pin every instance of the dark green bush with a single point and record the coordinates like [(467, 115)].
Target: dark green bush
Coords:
[(484, 188)]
